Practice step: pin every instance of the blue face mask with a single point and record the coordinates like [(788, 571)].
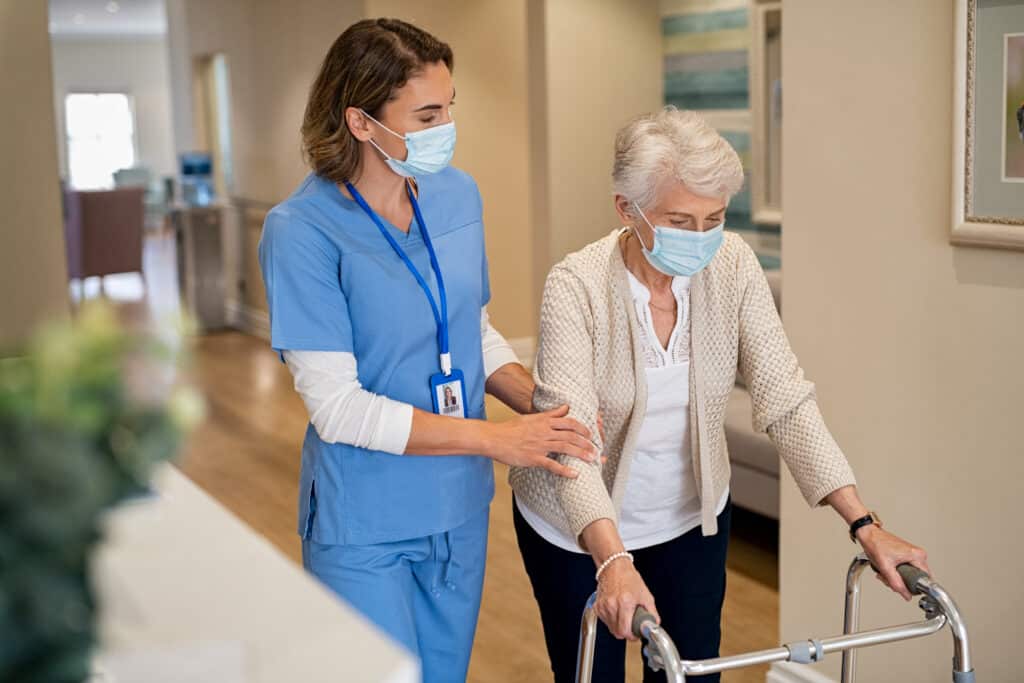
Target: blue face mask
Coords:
[(428, 151), (680, 252)]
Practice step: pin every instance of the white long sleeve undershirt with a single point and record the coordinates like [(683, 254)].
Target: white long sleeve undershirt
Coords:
[(342, 411)]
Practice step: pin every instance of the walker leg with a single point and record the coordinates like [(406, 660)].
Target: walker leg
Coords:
[(588, 640), (851, 615)]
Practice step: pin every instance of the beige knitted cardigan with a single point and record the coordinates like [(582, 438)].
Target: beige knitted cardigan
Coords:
[(589, 358)]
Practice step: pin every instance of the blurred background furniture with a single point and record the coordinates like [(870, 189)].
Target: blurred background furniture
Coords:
[(202, 280), (103, 231), (156, 199)]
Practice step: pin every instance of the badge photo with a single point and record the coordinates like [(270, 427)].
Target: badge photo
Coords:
[(449, 394)]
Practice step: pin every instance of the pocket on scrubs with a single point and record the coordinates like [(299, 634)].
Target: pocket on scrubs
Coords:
[(308, 532)]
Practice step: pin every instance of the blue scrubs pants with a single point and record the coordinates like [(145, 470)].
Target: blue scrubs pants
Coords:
[(424, 592)]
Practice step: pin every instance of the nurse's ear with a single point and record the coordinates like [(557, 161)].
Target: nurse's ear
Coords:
[(358, 124)]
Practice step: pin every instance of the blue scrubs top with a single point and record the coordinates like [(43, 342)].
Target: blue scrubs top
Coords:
[(335, 284)]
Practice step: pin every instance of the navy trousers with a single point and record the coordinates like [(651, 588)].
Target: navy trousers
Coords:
[(686, 576)]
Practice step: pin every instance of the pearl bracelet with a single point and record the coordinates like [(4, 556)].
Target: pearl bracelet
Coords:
[(612, 558)]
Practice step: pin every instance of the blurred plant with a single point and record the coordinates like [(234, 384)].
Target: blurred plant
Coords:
[(84, 417)]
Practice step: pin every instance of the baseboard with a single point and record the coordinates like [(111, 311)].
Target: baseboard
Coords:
[(525, 349), (248, 319), (787, 672)]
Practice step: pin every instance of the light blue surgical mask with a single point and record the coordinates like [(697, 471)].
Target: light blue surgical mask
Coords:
[(429, 150), (680, 252)]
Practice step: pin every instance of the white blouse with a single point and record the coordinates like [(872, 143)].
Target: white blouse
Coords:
[(661, 501)]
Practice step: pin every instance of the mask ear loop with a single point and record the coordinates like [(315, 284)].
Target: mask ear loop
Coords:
[(400, 137), (380, 149), (637, 232), (374, 142)]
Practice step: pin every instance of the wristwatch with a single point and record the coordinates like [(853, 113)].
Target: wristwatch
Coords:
[(857, 524)]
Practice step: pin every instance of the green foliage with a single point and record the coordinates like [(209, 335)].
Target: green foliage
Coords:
[(84, 417)]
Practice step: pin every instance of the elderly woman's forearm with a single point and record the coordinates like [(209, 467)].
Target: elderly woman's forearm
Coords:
[(846, 501), (601, 539), (512, 385)]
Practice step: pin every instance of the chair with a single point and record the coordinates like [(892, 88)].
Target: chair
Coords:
[(103, 231), (156, 198)]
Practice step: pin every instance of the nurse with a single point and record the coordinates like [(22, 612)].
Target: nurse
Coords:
[(377, 287)]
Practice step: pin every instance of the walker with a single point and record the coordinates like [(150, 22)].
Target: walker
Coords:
[(938, 606)]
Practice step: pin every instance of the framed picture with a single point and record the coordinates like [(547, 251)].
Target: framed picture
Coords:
[(988, 119), (1013, 107)]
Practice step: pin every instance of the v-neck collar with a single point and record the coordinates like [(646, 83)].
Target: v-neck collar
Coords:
[(401, 236)]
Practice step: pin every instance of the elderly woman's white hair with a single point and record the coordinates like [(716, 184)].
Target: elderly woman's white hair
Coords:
[(673, 145)]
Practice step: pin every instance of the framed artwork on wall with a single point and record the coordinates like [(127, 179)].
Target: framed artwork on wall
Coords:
[(988, 120), (1013, 107)]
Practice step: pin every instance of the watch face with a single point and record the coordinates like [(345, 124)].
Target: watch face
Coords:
[(874, 516)]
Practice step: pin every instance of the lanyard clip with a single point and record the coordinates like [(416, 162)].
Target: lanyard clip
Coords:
[(446, 364)]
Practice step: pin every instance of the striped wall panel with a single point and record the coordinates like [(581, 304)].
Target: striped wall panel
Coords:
[(706, 59), (706, 48)]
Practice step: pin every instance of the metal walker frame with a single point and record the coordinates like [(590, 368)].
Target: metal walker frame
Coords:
[(938, 606)]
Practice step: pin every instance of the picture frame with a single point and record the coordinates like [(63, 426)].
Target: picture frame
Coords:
[(987, 206)]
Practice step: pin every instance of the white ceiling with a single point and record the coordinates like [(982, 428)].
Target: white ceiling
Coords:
[(96, 18)]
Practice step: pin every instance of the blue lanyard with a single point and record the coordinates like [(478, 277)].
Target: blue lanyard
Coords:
[(440, 317)]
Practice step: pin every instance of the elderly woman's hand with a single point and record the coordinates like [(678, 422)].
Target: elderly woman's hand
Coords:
[(619, 592), (887, 551)]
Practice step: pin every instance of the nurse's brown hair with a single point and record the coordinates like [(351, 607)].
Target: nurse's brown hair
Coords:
[(364, 67)]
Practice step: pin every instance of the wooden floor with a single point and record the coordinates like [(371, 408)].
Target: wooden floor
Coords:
[(246, 455)]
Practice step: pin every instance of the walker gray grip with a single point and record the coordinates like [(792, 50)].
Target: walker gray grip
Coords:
[(910, 575), (640, 616)]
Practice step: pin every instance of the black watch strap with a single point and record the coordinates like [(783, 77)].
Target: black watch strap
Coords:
[(858, 524)]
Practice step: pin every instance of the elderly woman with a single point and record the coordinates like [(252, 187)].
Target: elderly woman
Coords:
[(648, 327)]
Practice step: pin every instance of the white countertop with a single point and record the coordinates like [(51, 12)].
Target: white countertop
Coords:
[(190, 594)]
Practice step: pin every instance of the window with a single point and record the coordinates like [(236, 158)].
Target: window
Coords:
[(100, 132)]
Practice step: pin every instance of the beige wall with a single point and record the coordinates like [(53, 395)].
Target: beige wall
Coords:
[(33, 270), (915, 345), (540, 96), (603, 66), (273, 50), (592, 65), (290, 42), (488, 38), (136, 66)]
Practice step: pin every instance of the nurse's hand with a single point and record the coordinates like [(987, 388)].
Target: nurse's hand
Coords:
[(619, 592), (526, 441)]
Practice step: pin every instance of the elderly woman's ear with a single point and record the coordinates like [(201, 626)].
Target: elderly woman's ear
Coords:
[(626, 210)]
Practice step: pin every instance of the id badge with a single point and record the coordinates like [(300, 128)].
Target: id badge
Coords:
[(449, 393)]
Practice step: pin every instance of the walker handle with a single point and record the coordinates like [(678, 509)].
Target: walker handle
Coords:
[(640, 617), (911, 575)]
